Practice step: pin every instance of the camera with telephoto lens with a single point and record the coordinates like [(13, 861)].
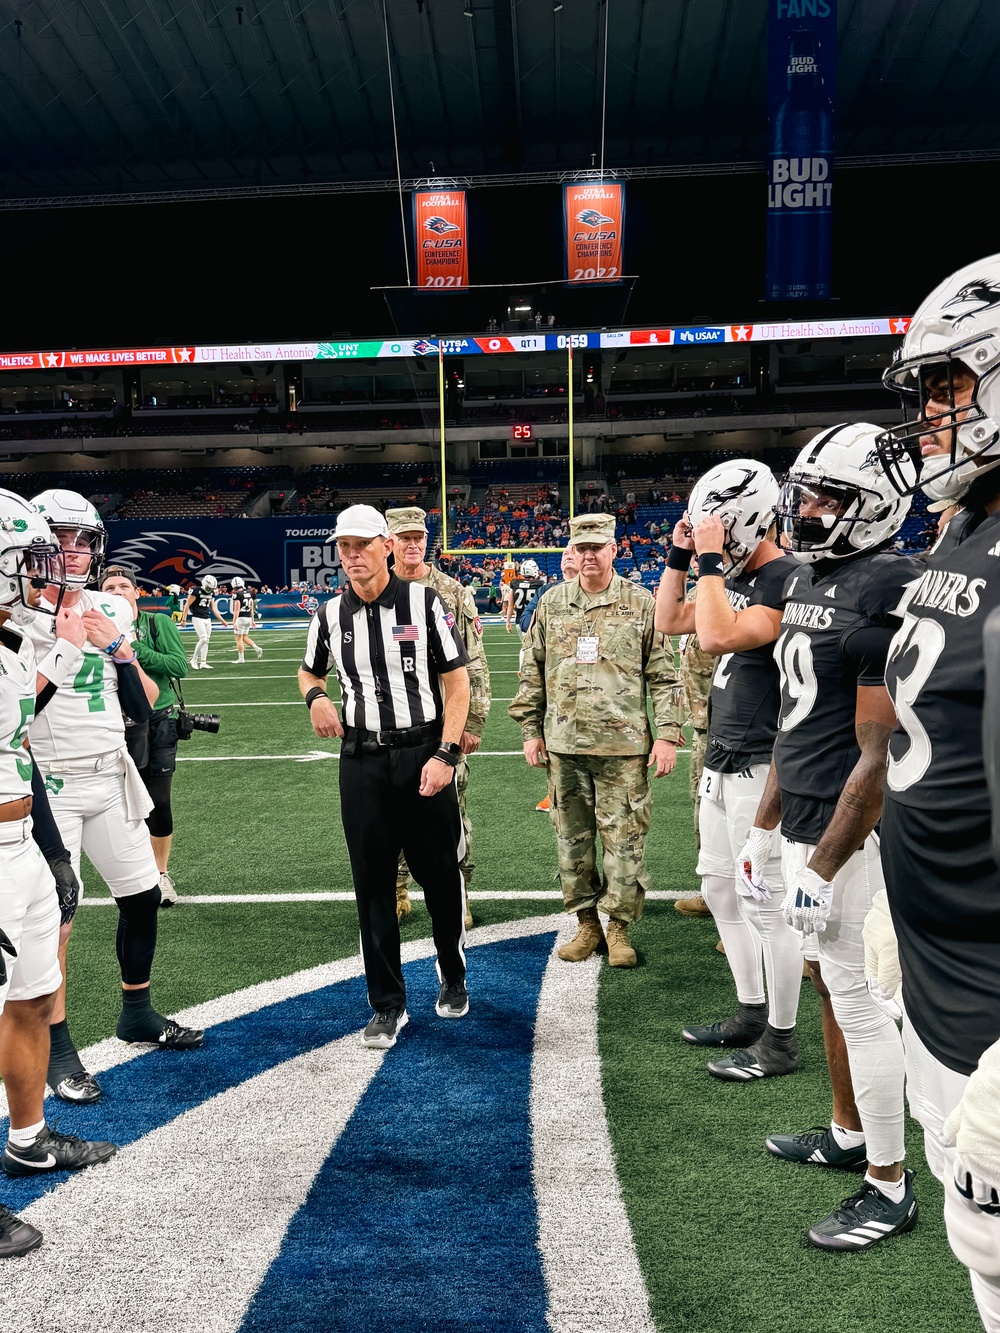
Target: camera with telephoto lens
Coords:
[(187, 723)]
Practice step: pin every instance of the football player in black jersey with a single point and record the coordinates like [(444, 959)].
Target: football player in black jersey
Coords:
[(942, 876), (737, 615), (839, 514), (244, 604), (521, 592), (202, 606)]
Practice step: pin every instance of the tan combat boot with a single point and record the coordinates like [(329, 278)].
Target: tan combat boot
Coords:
[(403, 907), (620, 952), (589, 938)]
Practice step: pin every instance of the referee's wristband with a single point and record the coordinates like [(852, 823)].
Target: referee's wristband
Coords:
[(447, 757), (317, 692), (711, 564), (679, 559)]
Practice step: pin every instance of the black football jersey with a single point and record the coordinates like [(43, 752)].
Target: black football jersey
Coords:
[(524, 592), (823, 654), (745, 687), (935, 671), (246, 600), (201, 607)]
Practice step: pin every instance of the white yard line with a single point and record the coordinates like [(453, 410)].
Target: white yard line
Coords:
[(484, 895)]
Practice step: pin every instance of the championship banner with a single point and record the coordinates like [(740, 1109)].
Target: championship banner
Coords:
[(441, 238), (802, 70), (594, 220)]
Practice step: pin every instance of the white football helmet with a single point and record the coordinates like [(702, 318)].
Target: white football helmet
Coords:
[(957, 327), (68, 513), (742, 494), (209, 583), (836, 499), (529, 569), (237, 582), (29, 557)]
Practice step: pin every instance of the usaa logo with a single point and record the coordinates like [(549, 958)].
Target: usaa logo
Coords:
[(441, 226)]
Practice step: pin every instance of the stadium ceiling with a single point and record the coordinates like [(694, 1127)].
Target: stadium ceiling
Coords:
[(108, 101)]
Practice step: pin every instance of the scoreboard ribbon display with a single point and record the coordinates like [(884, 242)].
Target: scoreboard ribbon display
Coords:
[(439, 222), (594, 214)]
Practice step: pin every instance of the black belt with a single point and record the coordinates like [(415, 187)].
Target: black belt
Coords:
[(408, 738)]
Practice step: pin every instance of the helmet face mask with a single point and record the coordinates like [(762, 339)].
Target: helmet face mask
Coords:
[(30, 559), (948, 377), (77, 527), (529, 569), (836, 500), (742, 495)]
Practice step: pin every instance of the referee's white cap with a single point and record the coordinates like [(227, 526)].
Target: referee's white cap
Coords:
[(359, 521)]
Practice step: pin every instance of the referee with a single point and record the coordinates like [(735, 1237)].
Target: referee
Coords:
[(405, 692)]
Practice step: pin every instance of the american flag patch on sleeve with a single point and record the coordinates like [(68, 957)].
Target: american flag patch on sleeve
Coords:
[(405, 633)]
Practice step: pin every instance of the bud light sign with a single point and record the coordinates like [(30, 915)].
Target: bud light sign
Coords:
[(802, 66)]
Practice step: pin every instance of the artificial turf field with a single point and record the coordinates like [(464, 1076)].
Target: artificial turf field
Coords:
[(718, 1224)]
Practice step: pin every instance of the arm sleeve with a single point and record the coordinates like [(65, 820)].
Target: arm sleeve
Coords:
[(446, 648), (866, 649), (44, 829), (317, 660), (131, 694), (163, 649)]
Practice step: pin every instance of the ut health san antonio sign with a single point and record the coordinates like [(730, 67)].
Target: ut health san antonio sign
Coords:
[(802, 69)]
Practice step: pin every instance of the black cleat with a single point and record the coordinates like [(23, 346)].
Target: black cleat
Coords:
[(742, 1029), (80, 1087), (162, 1032), (766, 1058), (865, 1218), (16, 1237), (385, 1027), (452, 1000), (817, 1147), (52, 1151)]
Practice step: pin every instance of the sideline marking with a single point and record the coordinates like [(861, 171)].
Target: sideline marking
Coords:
[(416, 895), (311, 756)]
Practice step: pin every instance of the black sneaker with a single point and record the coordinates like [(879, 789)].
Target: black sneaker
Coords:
[(742, 1029), (385, 1027), (452, 1000), (817, 1147), (52, 1151), (78, 1087), (865, 1218), (168, 1034), (767, 1058), (16, 1237)]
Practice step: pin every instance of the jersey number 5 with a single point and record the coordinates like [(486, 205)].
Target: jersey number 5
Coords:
[(798, 679)]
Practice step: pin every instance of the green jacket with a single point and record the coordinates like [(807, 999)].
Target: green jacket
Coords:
[(596, 707), (160, 652)]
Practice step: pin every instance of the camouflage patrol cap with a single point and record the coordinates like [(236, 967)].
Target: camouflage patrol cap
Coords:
[(598, 529), (406, 520)]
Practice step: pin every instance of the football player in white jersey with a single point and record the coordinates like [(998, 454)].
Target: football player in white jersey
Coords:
[(97, 797), (29, 906)]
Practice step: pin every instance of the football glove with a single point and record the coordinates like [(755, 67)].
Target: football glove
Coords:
[(973, 1130), (6, 947), (758, 849), (807, 903), (67, 886), (882, 974)]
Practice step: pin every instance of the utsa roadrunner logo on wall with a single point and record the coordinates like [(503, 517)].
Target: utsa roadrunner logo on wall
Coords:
[(284, 1145), (168, 557)]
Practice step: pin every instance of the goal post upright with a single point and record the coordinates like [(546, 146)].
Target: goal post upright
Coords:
[(444, 497)]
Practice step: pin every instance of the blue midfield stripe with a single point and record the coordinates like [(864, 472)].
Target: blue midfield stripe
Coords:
[(156, 1088), (423, 1216)]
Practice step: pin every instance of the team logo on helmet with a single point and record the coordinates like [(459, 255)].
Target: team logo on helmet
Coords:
[(179, 555), (972, 299), (440, 226), (715, 499), (590, 217)]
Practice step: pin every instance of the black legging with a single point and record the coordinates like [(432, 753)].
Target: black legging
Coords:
[(160, 820)]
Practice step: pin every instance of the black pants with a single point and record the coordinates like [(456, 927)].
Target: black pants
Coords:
[(383, 814)]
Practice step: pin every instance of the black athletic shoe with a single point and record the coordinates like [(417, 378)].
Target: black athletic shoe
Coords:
[(79, 1087), (16, 1237), (767, 1058), (385, 1027), (817, 1147), (52, 1151), (865, 1218), (165, 1032), (452, 1000), (741, 1029)]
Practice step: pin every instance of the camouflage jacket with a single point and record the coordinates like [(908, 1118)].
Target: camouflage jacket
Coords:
[(596, 708), (462, 604), (696, 672)]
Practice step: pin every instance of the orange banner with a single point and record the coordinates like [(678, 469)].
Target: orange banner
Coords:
[(439, 221), (595, 220)]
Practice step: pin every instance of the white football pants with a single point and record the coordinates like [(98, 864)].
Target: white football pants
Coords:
[(203, 629), (89, 809), (29, 913)]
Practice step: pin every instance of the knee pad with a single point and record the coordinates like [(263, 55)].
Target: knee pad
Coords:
[(136, 938), (859, 1017)]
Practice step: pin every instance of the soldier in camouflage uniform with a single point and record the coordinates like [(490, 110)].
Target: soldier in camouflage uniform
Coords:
[(408, 529), (591, 657), (696, 672)]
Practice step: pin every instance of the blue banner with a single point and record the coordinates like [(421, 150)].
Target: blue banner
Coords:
[(802, 68), (273, 551)]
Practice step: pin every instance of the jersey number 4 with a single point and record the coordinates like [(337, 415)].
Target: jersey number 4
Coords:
[(89, 680)]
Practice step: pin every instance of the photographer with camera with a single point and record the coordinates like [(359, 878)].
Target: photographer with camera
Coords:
[(153, 745)]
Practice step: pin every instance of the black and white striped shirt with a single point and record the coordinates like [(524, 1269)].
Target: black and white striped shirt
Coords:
[(388, 654)]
